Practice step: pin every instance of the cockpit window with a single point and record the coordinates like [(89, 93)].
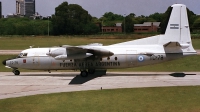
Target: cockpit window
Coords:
[(25, 54), (22, 55)]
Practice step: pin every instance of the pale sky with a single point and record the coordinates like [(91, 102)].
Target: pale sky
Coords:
[(98, 7)]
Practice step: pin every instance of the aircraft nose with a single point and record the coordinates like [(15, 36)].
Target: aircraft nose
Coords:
[(4, 62)]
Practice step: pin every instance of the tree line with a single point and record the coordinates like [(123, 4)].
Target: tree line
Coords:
[(72, 19), (24, 26)]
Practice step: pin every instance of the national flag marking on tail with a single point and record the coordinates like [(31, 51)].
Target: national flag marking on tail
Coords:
[(174, 26)]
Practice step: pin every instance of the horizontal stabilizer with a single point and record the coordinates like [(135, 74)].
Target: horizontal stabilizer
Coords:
[(176, 44)]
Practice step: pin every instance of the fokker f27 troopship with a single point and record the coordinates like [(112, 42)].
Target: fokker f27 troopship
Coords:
[(175, 43)]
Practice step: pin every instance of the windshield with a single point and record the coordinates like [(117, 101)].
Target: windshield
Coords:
[(22, 55)]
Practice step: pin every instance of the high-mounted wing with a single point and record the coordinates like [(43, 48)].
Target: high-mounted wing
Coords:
[(67, 52)]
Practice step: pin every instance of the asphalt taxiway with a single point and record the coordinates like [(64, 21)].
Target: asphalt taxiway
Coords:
[(32, 83)]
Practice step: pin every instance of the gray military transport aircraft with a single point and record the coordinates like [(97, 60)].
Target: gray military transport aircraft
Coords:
[(175, 43)]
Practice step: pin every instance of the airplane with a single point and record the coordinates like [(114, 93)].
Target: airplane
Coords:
[(174, 44)]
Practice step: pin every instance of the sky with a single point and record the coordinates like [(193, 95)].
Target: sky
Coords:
[(97, 8)]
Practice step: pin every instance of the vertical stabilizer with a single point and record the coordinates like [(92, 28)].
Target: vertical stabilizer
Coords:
[(178, 28), (177, 37)]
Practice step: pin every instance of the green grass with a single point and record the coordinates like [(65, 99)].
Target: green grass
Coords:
[(196, 43), (20, 43), (17, 43), (166, 99)]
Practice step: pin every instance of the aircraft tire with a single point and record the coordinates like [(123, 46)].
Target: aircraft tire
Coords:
[(16, 72), (84, 73)]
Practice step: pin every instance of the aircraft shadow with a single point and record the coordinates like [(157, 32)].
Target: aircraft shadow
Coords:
[(81, 80), (180, 74), (133, 74)]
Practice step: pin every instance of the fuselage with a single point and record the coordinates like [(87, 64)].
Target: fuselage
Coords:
[(124, 57)]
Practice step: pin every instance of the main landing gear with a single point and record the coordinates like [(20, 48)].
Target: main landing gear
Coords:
[(84, 73), (16, 72)]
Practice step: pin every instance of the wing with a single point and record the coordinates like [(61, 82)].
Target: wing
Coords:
[(95, 51), (81, 52)]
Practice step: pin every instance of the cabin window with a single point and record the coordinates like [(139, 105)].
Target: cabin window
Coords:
[(108, 58), (116, 58)]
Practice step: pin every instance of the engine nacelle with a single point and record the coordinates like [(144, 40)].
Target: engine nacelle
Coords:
[(100, 52), (57, 52)]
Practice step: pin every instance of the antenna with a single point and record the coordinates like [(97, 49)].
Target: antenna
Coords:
[(31, 46)]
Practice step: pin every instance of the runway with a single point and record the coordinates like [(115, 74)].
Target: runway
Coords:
[(32, 83), (10, 52)]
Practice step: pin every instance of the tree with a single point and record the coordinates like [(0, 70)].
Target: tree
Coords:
[(110, 19), (129, 24), (156, 16), (95, 19), (24, 26), (91, 29), (150, 20), (165, 20), (191, 17), (70, 19), (113, 17), (166, 16), (132, 15), (196, 23)]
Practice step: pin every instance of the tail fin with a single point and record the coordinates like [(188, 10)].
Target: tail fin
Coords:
[(178, 30), (178, 27)]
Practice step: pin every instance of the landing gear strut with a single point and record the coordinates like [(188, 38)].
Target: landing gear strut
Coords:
[(16, 72)]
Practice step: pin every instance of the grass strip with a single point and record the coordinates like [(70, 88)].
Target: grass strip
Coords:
[(20, 43), (164, 99)]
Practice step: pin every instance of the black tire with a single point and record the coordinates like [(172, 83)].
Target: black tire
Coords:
[(84, 73), (16, 72)]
